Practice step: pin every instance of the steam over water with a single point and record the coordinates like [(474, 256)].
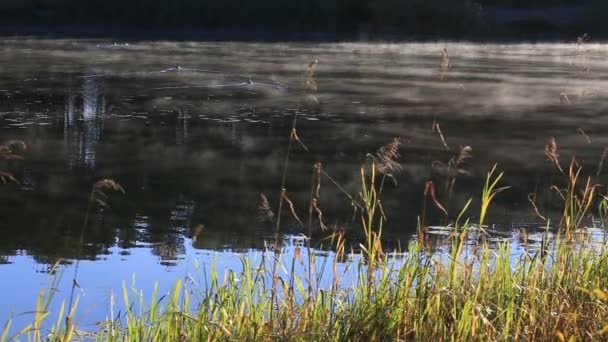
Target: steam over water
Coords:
[(194, 132)]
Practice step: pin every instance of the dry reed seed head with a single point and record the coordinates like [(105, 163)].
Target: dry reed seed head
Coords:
[(387, 157), (466, 153), (265, 213), (459, 162), (108, 184), (99, 190)]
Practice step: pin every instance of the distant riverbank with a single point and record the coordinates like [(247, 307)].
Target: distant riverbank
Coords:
[(300, 20), (125, 33)]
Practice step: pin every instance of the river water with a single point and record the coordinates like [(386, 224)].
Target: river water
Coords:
[(194, 132)]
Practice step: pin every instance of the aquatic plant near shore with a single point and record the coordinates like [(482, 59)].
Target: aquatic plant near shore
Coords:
[(473, 293)]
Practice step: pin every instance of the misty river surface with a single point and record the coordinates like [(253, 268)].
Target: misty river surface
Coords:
[(195, 132)]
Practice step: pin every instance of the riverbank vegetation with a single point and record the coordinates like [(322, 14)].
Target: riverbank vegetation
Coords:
[(554, 288), (416, 18)]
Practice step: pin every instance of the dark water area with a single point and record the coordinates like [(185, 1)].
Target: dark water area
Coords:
[(195, 132)]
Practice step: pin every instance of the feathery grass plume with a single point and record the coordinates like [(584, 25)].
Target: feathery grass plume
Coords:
[(600, 166), (458, 162), (100, 188), (387, 158), (577, 201), (551, 153), (265, 213)]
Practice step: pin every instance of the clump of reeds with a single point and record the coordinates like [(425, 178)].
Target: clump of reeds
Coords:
[(476, 294), (577, 199), (481, 295)]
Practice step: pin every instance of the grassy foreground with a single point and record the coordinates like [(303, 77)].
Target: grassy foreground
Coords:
[(476, 293)]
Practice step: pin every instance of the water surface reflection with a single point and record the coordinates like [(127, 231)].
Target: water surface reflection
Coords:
[(194, 132)]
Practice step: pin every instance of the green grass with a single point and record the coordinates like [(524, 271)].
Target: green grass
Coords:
[(475, 293)]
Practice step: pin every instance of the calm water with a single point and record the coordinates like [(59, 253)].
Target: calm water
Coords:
[(194, 132)]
